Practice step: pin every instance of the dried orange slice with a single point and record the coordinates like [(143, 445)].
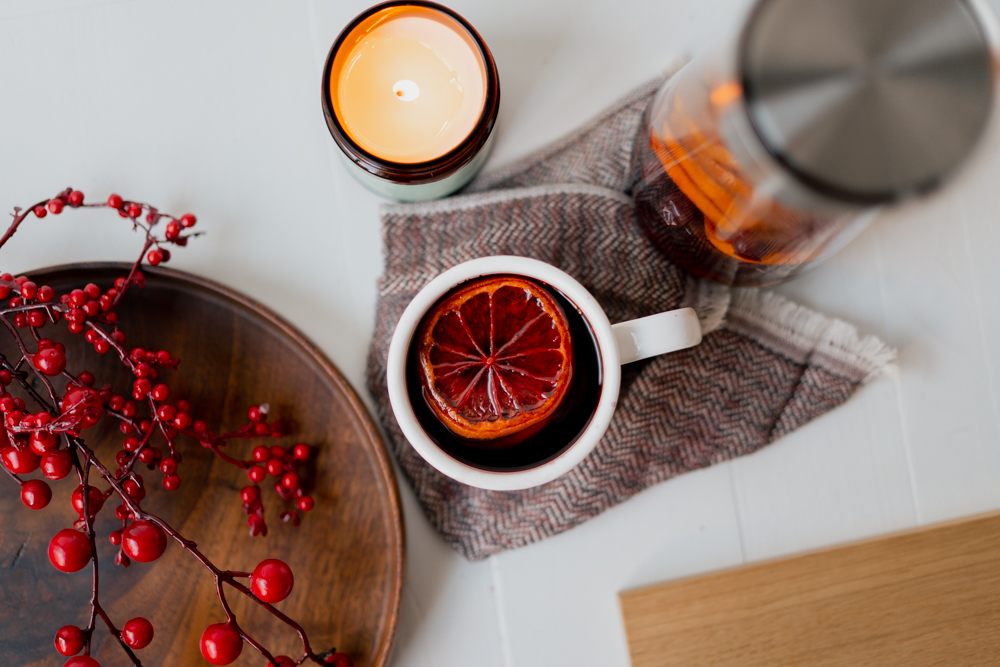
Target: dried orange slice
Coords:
[(495, 357)]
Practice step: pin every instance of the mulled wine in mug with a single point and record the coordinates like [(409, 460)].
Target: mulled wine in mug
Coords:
[(503, 372)]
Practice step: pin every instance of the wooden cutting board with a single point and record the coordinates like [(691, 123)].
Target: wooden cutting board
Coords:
[(930, 596)]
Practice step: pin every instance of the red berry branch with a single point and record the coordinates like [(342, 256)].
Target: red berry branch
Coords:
[(48, 437)]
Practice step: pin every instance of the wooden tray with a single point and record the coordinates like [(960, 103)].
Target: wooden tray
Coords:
[(347, 555)]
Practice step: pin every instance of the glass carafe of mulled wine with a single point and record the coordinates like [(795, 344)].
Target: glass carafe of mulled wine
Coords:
[(770, 153)]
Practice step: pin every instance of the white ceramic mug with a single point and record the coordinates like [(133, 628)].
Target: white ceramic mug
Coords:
[(616, 345)]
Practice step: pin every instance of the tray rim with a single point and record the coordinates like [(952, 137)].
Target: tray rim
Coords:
[(378, 447)]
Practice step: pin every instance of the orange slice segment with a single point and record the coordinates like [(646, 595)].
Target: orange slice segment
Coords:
[(495, 357)]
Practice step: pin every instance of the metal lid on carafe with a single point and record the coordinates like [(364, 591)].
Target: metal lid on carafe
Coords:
[(867, 101)]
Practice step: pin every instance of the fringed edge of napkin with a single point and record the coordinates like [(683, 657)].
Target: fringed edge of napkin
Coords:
[(803, 334)]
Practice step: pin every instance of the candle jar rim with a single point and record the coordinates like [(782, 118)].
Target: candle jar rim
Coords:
[(429, 170)]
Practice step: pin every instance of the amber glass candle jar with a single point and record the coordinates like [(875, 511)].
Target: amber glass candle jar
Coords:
[(767, 155), (411, 97)]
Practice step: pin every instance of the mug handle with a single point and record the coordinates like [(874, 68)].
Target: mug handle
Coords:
[(657, 334)]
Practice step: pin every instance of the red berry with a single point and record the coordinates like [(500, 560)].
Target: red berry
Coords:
[(144, 541), (133, 210), (140, 388), (131, 443), (154, 257), (166, 412), (37, 319), (256, 473), (254, 413), (249, 494), (21, 462), (81, 661), (5, 378), (84, 404), (129, 409), (301, 451), (257, 525), (173, 231), (56, 464), (69, 550), (14, 418), (221, 644), (272, 580), (275, 467), (135, 490), (306, 503), (46, 294), (188, 220), (29, 290), (172, 482), (282, 661), (20, 320), (7, 404), (261, 454), (115, 201), (43, 441), (137, 633), (95, 500), (40, 211), (338, 660), (161, 392), (56, 206), (116, 536), (50, 361), (277, 451), (69, 640), (75, 198), (290, 480), (147, 455), (182, 406), (182, 420), (168, 466), (36, 494)]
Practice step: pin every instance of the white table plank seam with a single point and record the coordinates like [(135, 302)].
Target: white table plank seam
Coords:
[(737, 507), (980, 320), (900, 406), (501, 611)]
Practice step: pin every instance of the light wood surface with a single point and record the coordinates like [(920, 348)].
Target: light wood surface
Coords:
[(923, 597)]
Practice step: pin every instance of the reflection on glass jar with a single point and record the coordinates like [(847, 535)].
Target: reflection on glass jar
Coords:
[(766, 156)]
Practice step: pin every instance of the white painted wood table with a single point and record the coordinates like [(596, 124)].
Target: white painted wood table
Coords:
[(213, 106)]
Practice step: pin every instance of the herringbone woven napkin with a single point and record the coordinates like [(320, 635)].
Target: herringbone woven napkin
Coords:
[(765, 367)]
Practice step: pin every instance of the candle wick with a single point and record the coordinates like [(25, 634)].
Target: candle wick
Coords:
[(406, 90)]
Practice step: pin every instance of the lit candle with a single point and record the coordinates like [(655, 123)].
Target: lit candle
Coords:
[(411, 96)]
